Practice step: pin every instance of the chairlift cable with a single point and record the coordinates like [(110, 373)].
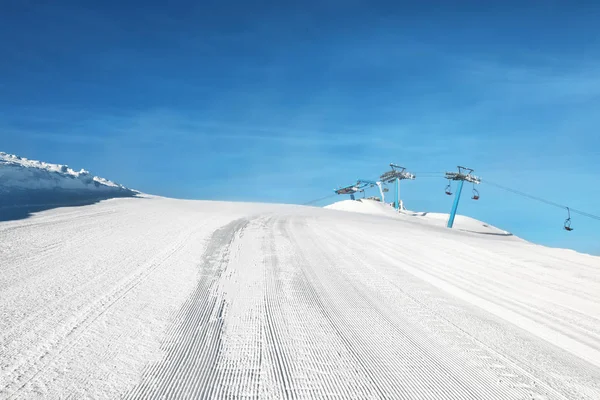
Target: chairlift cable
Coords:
[(318, 200), (549, 202), (514, 191)]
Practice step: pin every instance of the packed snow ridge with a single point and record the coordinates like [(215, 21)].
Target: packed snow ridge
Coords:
[(462, 222)]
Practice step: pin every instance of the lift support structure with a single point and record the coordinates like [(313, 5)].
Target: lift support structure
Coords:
[(359, 186), (397, 174), (463, 174)]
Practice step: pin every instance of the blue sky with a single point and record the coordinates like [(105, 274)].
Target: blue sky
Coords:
[(282, 102)]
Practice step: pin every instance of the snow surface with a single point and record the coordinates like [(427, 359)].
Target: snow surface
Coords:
[(149, 297), (364, 206), (461, 222), (160, 298)]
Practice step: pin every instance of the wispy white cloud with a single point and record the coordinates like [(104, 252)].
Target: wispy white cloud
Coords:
[(533, 85), (165, 126)]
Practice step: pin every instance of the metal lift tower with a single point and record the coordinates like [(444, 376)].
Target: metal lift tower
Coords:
[(463, 174), (350, 189), (360, 185), (396, 175)]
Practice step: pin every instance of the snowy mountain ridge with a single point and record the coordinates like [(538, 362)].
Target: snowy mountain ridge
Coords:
[(22, 173), (29, 186)]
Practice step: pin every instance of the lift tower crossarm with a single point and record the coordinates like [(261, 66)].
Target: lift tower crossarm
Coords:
[(348, 189), (359, 186), (462, 176), (391, 176), (351, 189), (397, 174)]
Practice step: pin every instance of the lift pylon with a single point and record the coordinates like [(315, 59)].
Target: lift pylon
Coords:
[(360, 186), (397, 174), (372, 184), (350, 189), (463, 174)]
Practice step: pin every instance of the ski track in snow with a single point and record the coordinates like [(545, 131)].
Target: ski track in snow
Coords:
[(157, 299)]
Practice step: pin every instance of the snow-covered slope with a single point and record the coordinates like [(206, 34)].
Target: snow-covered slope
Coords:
[(364, 206), (367, 206), (159, 298), (37, 185)]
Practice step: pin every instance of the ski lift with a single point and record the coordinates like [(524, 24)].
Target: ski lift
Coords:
[(475, 193), (449, 189), (568, 221)]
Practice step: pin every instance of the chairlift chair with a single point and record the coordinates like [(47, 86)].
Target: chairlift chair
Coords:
[(475, 194), (567, 224), (449, 190)]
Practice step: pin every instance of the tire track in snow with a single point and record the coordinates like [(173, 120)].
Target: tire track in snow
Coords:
[(194, 341)]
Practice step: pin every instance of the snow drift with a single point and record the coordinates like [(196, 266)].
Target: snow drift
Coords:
[(364, 206), (462, 222), (27, 186)]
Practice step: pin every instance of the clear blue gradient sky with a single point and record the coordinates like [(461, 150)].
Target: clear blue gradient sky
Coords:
[(283, 101)]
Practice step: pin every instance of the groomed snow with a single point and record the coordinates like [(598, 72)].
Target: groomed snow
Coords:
[(153, 298), (150, 297)]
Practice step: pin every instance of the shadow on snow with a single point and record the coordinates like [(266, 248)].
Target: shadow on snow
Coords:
[(20, 204)]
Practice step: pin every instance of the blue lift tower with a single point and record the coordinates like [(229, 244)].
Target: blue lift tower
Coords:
[(463, 174), (396, 175)]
